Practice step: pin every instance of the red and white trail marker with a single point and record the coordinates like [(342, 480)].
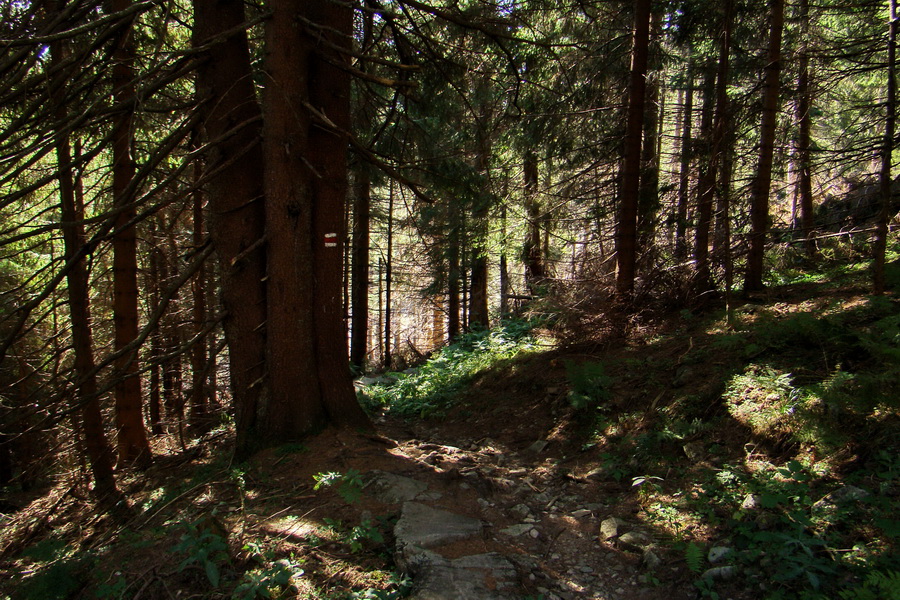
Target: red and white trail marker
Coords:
[(331, 240)]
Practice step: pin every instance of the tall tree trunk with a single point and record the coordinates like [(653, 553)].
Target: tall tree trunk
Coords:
[(648, 196), (454, 241), (199, 402), (804, 120), (87, 401), (706, 183), (359, 327), (881, 229), (236, 217), (684, 175), (504, 267), (154, 284), (626, 224), (479, 311), (388, 279), (759, 201), (132, 444), (709, 183), (531, 249)]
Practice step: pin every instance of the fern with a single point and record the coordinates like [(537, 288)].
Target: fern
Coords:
[(693, 555), (879, 585)]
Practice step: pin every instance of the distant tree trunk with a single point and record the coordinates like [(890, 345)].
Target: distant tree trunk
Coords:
[(359, 267), (479, 310), (133, 447), (86, 401), (359, 327), (881, 230), (626, 224), (706, 183), (648, 196), (684, 176), (453, 275), (531, 249), (804, 120), (232, 126), (199, 402), (709, 183), (154, 399), (388, 279), (759, 201), (504, 267)]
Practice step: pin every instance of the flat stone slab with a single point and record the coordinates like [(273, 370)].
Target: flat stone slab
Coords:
[(393, 489), (426, 527), (476, 577)]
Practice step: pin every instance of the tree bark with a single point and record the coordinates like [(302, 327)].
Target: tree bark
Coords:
[(231, 119), (759, 201), (626, 224), (133, 446)]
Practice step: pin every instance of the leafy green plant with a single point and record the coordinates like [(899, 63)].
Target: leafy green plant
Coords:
[(694, 557), (356, 537), (348, 485), (590, 385), (878, 585), (271, 580), (203, 548)]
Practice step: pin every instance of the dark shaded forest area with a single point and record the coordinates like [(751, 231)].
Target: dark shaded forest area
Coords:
[(612, 283)]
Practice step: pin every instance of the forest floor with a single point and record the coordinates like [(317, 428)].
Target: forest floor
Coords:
[(696, 432)]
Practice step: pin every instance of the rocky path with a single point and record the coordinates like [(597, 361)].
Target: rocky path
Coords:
[(479, 521)]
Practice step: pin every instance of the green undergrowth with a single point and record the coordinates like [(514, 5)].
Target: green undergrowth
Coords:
[(429, 390), (771, 434)]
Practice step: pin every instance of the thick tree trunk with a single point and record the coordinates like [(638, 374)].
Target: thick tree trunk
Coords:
[(132, 444), (626, 224), (881, 230), (232, 127), (759, 201), (87, 402), (329, 94)]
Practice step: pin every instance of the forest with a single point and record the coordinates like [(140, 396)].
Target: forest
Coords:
[(612, 284)]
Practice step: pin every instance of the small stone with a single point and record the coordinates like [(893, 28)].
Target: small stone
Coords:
[(651, 560), (538, 447), (843, 495), (521, 509), (751, 502), (517, 530), (694, 450), (720, 573), (483, 503), (581, 513), (534, 533), (554, 556), (611, 527), (718, 553), (635, 540), (586, 569)]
